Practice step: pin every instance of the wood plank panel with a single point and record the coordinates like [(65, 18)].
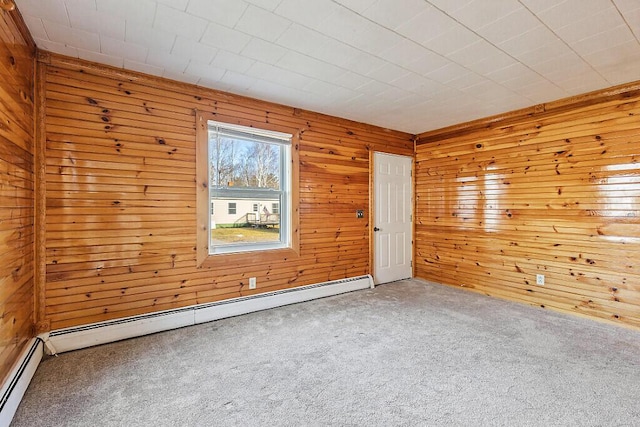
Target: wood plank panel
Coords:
[(121, 194), (17, 55), (554, 193)]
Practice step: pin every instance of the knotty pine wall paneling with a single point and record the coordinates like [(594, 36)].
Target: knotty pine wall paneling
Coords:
[(17, 53), (121, 198), (553, 190)]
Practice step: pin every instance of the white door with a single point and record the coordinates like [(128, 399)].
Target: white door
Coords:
[(392, 217)]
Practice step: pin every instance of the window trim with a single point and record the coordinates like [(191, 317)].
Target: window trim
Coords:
[(279, 141), (203, 258)]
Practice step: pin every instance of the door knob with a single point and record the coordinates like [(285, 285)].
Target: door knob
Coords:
[(376, 229)]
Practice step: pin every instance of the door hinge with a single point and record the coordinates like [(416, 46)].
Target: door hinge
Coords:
[(411, 263)]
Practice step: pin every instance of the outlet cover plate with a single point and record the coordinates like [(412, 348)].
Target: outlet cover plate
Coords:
[(540, 279)]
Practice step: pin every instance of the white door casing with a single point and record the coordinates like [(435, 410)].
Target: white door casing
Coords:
[(392, 217)]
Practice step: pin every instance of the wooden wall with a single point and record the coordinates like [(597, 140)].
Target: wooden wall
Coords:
[(120, 195), (16, 188), (553, 190)]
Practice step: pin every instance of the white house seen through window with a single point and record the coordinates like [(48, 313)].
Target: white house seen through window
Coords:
[(250, 173)]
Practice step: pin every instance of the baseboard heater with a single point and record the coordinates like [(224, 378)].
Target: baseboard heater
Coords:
[(74, 338), (18, 380)]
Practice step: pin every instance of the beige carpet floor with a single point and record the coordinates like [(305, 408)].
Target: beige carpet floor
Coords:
[(408, 353)]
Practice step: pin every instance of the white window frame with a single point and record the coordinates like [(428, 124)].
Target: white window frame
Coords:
[(284, 141)]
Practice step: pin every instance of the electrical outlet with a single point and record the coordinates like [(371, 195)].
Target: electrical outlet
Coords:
[(359, 213), (540, 279), (252, 283)]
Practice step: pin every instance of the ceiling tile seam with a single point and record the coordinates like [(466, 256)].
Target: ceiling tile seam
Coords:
[(275, 82), (329, 81), (175, 39), (101, 51), (394, 32), (432, 51), (186, 66), (101, 48), (184, 70), (186, 10), (567, 45), (240, 18), (316, 59), (635, 35), (153, 23), (292, 72), (261, 8), (503, 51), (265, 63), (256, 37), (66, 11), (257, 79), (204, 78), (387, 61), (211, 62), (45, 29)]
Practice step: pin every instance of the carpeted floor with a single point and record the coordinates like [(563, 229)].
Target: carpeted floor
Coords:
[(405, 354)]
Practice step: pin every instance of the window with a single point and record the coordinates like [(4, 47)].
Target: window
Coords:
[(247, 163)]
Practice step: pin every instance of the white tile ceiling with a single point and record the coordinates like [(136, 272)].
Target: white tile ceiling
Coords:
[(410, 65)]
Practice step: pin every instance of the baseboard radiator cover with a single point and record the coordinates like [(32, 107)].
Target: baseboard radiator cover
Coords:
[(18, 380), (74, 338)]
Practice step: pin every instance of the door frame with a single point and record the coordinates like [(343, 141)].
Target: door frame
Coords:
[(372, 204)]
